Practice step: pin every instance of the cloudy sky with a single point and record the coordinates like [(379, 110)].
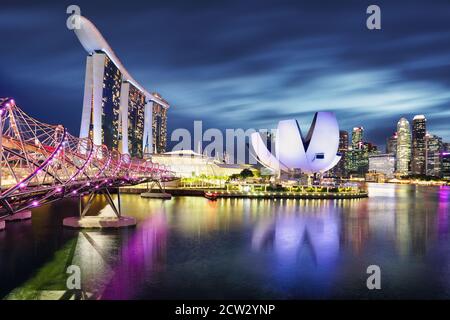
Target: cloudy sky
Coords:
[(241, 64)]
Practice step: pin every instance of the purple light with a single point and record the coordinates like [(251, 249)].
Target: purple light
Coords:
[(22, 185), (58, 189), (74, 191), (445, 153), (35, 203)]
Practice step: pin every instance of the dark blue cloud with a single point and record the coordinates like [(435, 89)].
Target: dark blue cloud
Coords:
[(241, 63)]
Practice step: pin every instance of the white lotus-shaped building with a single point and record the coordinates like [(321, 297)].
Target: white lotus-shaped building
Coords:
[(315, 153)]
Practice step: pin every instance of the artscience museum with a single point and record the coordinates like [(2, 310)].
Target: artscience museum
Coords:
[(317, 152)]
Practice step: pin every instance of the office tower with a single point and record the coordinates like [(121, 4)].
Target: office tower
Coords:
[(418, 160), (340, 170), (445, 158), (434, 147), (403, 155), (382, 163), (159, 124), (357, 137), (391, 144)]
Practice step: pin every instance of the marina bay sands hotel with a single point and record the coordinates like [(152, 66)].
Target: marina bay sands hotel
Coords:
[(117, 111)]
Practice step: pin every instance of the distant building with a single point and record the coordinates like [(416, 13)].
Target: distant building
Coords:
[(357, 137), (382, 163), (341, 168), (403, 155), (434, 147), (446, 165), (418, 159), (391, 144)]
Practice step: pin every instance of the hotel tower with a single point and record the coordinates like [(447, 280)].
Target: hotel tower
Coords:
[(117, 111)]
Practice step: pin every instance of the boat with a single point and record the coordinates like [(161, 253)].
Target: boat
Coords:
[(211, 195)]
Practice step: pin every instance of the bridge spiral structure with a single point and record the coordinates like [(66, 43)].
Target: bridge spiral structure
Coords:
[(41, 163)]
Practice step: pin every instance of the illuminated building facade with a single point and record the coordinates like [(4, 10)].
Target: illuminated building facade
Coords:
[(101, 107), (382, 163), (434, 147), (117, 111), (159, 125), (341, 168), (133, 120), (418, 160), (391, 144), (358, 154), (445, 156), (403, 155)]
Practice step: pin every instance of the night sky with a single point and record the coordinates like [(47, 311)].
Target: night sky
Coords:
[(241, 64)]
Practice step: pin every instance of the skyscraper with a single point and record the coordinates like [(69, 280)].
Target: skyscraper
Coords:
[(434, 147), (418, 161), (357, 137), (159, 124), (391, 144), (101, 107), (445, 158), (403, 155), (340, 170), (358, 154), (132, 120)]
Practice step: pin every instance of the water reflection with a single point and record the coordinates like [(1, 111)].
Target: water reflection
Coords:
[(241, 248)]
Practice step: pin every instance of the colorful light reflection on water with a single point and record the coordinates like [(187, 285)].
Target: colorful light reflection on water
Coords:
[(239, 248)]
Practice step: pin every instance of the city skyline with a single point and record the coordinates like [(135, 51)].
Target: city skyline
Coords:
[(230, 68)]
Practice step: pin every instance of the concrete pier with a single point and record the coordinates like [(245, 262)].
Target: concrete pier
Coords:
[(2, 225), (23, 215), (156, 195), (99, 222)]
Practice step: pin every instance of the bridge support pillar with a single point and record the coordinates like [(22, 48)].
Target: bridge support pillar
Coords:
[(162, 194), (19, 216), (101, 221), (2, 225)]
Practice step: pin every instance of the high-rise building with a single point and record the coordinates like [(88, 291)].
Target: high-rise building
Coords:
[(358, 154), (357, 137), (101, 107), (340, 170), (159, 124), (434, 147), (418, 160), (391, 144), (445, 158), (382, 163), (403, 155), (133, 120), (117, 111)]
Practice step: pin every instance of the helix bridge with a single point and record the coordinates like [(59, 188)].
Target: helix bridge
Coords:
[(42, 163)]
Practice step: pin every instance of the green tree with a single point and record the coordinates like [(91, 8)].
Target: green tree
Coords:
[(246, 173)]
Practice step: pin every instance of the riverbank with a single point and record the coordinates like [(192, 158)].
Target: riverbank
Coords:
[(222, 193)]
